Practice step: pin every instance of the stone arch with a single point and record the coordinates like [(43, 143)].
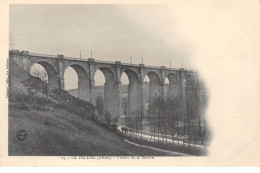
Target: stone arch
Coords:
[(174, 87), (108, 73), (52, 62), (109, 90), (105, 68), (151, 71), (134, 70), (154, 87), (133, 92), (83, 81), (51, 72)]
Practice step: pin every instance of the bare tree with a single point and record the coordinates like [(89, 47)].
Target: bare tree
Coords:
[(45, 86), (43, 80)]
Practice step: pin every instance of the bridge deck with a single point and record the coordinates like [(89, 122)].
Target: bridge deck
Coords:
[(98, 61)]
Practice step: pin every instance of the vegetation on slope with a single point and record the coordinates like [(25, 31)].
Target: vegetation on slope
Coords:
[(57, 131), (61, 124)]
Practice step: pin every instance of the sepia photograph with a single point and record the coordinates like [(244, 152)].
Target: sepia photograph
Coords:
[(130, 83), (114, 89)]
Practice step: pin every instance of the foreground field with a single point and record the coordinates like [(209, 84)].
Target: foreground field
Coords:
[(58, 132)]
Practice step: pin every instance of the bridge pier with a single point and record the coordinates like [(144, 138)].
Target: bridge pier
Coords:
[(141, 90), (61, 72), (83, 89), (118, 89), (109, 98), (92, 92), (91, 81), (133, 99), (142, 99), (118, 99), (162, 82), (162, 94), (183, 91)]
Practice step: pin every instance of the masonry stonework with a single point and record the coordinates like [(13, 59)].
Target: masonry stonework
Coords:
[(86, 69)]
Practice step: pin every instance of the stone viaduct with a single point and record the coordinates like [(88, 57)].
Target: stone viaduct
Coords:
[(86, 68)]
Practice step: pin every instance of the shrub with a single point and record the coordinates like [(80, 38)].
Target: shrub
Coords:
[(107, 117), (113, 127), (46, 122), (18, 97), (23, 106)]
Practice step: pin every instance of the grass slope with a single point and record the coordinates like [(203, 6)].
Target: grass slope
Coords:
[(63, 133)]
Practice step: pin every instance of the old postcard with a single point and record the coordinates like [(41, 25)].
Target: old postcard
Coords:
[(116, 83)]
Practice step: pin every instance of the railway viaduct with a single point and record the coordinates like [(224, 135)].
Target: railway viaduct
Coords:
[(55, 66)]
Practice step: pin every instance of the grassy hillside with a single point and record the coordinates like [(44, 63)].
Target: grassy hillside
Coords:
[(59, 132), (63, 133)]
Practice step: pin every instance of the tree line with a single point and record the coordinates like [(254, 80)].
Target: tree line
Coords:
[(178, 120)]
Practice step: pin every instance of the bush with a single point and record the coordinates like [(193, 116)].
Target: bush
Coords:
[(107, 117), (46, 122), (18, 97), (45, 102), (73, 104), (23, 106), (113, 127), (115, 120)]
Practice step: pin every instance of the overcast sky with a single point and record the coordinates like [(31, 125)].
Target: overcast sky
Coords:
[(181, 32), (112, 32)]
